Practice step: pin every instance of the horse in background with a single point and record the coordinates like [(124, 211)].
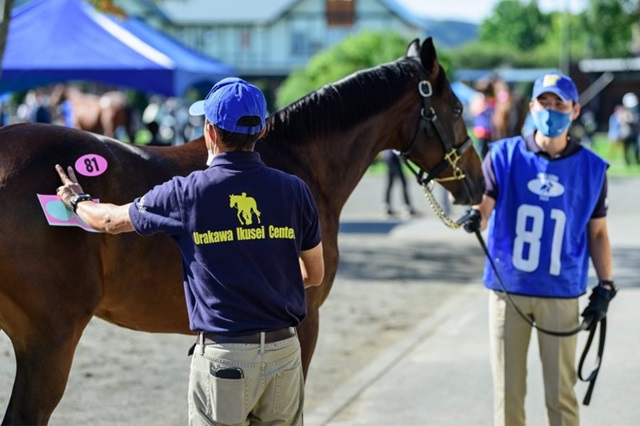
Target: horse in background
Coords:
[(107, 114), (510, 111), (498, 112)]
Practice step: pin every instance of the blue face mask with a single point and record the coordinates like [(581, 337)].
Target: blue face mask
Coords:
[(551, 123)]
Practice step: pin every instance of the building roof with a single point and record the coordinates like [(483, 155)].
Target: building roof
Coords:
[(510, 75), (249, 12), (610, 64), (252, 12)]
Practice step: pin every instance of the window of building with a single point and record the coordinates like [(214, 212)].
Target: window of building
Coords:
[(341, 12), (245, 38), (299, 43)]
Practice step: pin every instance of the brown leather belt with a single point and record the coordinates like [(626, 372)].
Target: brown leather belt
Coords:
[(269, 337)]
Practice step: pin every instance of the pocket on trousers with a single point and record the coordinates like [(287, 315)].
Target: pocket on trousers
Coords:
[(288, 385), (227, 400)]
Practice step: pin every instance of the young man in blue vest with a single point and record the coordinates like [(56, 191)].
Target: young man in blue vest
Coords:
[(250, 241), (545, 206)]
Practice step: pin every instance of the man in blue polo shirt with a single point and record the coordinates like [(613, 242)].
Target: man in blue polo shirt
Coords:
[(545, 203), (250, 241)]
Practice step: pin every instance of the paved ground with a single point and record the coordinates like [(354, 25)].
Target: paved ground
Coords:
[(439, 373)]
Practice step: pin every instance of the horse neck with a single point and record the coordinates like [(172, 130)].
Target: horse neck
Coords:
[(332, 162), (348, 161)]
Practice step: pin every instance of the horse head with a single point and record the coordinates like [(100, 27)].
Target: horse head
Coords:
[(438, 142)]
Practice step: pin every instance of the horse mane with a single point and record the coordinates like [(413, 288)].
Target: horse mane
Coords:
[(340, 105)]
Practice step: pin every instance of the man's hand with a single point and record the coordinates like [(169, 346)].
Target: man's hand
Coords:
[(471, 220), (598, 305), (70, 186)]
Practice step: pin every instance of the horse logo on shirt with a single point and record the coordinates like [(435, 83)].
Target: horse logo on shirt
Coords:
[(546, 186), (246, 208)]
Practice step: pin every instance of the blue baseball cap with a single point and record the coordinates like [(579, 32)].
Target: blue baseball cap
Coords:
[(229, 100), (557, 83)]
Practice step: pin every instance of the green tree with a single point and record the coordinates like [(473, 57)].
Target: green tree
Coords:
[(566, 42), (514, 23), (609, 26), (363, 50), (485, 55)]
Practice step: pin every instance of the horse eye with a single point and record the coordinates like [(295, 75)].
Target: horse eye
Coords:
[(457, 110)]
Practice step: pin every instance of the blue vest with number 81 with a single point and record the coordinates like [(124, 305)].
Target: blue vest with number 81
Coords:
[(538, 230)]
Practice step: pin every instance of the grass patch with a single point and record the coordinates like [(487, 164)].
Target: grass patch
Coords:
[(614, 155)]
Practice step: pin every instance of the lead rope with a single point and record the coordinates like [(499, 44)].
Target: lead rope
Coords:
[(583, 326), (450, 223)]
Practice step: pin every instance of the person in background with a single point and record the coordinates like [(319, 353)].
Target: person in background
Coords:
[(67, 116), (629, 120), (585, 128), (545, 207), (613, 133), (154, 130), (35, 108), (395, 174), (250, 241), (41, 112), (482, 108), (62, 106)]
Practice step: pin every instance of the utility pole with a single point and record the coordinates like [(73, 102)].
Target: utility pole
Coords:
[(565, 42), (5, 7)]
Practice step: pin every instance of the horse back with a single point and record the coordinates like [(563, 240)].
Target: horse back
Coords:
[(112, 276)]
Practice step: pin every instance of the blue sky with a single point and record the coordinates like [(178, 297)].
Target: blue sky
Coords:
[(476, 10)]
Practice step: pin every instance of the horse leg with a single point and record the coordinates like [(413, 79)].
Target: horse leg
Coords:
[(309, 328), (43, 362), (308, 335), (107, 123)]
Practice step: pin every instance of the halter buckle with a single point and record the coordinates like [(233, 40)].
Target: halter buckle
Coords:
[(425, 89)]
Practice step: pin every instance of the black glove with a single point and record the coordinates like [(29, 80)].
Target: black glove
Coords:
[(471, 221), (599, 303)]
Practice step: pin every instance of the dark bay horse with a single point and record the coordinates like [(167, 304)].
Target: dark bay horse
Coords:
[(53, 280)]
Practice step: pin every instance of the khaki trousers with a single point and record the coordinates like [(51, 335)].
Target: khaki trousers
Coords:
[(271, 391), (510, 336)]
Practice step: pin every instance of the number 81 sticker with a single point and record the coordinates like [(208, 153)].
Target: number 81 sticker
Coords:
[(91, 165)]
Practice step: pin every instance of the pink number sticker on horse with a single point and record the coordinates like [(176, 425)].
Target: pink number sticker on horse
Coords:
[(91, 165), (57, 213)]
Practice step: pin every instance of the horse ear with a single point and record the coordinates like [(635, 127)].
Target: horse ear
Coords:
[(429, 58), (413, 50)]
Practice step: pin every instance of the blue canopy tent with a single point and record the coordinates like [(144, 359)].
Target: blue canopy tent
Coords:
[(62, 40), (194, 67)]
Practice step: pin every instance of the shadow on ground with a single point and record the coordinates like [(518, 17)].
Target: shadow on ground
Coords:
[(385, 258), (625, 267), (388, 259)]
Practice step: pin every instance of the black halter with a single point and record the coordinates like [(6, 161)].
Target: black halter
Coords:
[(428, 122)]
